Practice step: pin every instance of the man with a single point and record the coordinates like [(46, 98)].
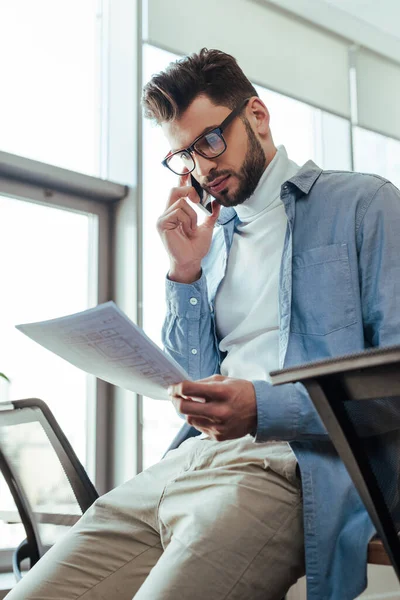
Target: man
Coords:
[(298, 265)]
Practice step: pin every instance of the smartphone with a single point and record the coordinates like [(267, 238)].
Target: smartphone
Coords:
[(205, 199)]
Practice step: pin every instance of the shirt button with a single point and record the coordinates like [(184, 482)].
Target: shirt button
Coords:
[(194, 351), (193, 301)]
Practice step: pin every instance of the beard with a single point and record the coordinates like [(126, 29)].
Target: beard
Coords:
[(249, 175)]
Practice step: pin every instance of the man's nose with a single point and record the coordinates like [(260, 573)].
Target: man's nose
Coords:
[(204, 165)]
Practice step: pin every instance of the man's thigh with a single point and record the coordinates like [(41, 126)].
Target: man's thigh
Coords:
[(230, 527)]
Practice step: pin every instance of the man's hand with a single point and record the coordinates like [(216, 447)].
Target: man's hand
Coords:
[(186, 242), (225, 408)]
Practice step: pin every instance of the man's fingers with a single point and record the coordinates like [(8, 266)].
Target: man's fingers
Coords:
[(210, 390), (184, 179), (175, 219), (216, 209), (185, 191), (180, 212), (191, 407), (201, 423), (183, 205), (213, 412)]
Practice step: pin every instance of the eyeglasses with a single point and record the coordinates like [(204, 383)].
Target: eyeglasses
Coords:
[(208, 145)]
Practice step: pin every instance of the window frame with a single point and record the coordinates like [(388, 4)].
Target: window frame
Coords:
[(44, 184)]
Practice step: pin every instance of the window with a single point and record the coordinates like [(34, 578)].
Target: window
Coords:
[(48, 273), (376, 153), (306, 132), (50, 100), (49, 269)]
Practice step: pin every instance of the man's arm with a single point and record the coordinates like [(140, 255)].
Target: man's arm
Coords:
[(236, 407), (378, 242), (188, 331)]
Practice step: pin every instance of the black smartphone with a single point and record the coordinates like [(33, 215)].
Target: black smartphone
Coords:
[(205, 199)]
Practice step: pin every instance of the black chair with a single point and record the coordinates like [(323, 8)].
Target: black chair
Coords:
[(49, 485), (358, 399)]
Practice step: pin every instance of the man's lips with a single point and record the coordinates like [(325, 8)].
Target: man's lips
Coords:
[(218, 184)]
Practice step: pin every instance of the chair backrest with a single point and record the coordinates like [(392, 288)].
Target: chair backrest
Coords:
[(358, 399), (49, 485)]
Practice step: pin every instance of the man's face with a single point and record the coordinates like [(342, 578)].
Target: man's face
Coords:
[(232, 177)]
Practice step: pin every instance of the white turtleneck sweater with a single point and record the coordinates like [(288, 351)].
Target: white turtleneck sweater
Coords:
[(246, 305)]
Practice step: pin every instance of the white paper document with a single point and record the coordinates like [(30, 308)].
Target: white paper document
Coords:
[(103, 341)]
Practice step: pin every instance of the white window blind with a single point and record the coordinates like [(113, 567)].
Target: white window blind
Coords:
[(378, 93), (275, 50)]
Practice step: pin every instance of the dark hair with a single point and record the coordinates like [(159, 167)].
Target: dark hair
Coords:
[(210, 72)]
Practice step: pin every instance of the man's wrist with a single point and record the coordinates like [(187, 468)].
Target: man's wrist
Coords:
[(185, 274)]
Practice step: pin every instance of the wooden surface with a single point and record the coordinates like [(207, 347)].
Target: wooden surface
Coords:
[(377, 553)]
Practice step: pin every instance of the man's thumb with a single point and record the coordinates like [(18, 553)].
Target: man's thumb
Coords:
[(216, 209)]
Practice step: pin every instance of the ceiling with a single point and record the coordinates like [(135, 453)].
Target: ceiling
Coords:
[(383, 14)]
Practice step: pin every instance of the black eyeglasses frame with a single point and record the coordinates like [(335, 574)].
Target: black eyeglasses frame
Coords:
[(218, 130)]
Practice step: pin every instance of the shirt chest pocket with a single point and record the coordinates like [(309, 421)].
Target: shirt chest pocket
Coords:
[(322, 294)]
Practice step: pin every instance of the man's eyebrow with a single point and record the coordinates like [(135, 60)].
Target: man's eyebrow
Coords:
[(205, 130)]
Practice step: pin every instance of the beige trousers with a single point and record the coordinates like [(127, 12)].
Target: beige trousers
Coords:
[(211, 521)]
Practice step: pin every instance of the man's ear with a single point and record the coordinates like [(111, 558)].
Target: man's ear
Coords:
[(258, 113)]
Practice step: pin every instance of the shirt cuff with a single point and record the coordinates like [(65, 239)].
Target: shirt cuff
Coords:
[(277, 412), (187, 300)]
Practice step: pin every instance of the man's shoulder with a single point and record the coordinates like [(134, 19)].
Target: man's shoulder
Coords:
[(352, 178), (348, 185), (311, 179)]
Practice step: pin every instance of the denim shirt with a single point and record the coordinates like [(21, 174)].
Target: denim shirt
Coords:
[(338, 293)]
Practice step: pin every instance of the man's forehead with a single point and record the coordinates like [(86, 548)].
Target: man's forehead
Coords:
[(202, 114)]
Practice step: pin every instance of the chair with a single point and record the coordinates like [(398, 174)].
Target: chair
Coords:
[(49, 485), (358, 400)]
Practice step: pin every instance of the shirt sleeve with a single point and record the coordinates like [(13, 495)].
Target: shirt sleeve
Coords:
[(286, 413), (378, 243), (188, 332)]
